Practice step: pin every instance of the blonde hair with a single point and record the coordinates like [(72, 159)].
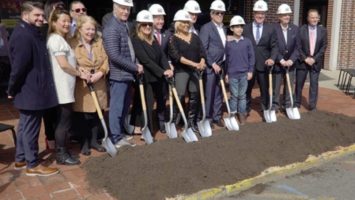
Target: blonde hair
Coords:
[(142, 36), (177, 24), (81, 21)]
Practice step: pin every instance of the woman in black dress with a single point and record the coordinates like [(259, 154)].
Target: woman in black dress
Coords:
[(188, 56), (155, 64)]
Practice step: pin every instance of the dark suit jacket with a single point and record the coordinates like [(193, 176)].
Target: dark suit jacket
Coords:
[(152, 58), (267, 46), (289, 51), (319, 50), (212, 43), (31, 80)]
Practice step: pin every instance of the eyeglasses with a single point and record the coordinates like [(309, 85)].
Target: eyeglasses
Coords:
[(80, 9), (146, 24), (219, 13)]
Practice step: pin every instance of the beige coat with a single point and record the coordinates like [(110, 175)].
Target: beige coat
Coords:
[(83, 98)]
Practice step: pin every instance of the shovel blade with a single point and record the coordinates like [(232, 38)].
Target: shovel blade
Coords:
[(192, 135), (167, 129), (128, 127), (267, 116), (186, 136), (173, 131), (231, 123), (296, 113), (205, 128), (290, 114), (110, 148), (147, 136), (273, 116)]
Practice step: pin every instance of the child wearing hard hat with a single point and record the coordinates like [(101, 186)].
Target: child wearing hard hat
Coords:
[(240, 60)]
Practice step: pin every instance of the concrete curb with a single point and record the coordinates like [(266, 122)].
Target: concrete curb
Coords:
[(267, 175)]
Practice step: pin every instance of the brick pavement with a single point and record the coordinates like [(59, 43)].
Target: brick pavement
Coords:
[(71, 183)]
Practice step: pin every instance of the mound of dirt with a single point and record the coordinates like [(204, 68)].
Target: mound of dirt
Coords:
[(171, 167)]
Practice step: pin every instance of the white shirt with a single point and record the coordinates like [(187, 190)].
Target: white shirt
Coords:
[(260, 29), (284, 31), (221, 33), (193, 30), (64, 82)]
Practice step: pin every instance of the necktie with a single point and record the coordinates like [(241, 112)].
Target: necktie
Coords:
[(158, 36), (257, 37), (311, 42)]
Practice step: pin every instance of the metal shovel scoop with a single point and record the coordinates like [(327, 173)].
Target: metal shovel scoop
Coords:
[(127, 126), (270, 115), (106, 142), (203, 125), (230, 121), (169, 126), (292, 112), (187, 133), (145, 130)]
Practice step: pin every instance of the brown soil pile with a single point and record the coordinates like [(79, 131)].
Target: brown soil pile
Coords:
[(171, 167)]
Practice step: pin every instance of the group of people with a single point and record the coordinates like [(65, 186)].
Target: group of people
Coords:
[(53, 65)]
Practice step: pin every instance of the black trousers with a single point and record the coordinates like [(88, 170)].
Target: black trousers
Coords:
[(50, 122), (263, 81), (64, 124), (152, 91), (279, 78), (301, 75)]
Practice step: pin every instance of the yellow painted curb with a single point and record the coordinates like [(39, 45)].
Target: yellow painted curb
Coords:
[(311, 161)]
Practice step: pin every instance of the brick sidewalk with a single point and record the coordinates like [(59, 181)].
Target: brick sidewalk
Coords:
[(71, 183)]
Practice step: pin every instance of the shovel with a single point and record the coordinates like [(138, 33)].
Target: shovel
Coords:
[(106, 142), (203, 125), (127, 126), (270, 115), (169, 126), (230, 121), (187, 133), (292, 112), (145, 130)]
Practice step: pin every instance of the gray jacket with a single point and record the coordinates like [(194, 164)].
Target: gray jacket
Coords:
[(115, 37)]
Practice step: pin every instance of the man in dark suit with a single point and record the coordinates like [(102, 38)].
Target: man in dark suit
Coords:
[(313, 44), (264, 40), (31, 86), (288, 43), (213, 37)]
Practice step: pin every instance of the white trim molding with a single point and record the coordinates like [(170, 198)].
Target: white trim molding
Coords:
[(296, 12), (335, 35)]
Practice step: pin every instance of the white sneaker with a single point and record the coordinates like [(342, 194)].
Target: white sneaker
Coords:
[(128, 137), (124, 142)]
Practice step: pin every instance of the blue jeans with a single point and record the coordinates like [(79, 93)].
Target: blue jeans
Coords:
[(238, 86), (120, 99)]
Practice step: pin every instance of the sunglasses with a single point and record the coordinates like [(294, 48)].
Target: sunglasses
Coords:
[(80, 9), (219, 13), (146, 24)]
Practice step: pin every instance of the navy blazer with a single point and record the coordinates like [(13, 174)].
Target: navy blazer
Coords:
[(31, 79), (319, 50), (267, 46), (289, 51), (213, 44)]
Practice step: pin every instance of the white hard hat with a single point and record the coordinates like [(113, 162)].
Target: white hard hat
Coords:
[(182, 15), (260, 5), (156, 9), (284, 9), (237, 20), (144, 16), (192, 6), (218, 5), (124, 2)]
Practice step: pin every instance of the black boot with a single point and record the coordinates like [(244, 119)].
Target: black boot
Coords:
[(63, 157), (194, 108)]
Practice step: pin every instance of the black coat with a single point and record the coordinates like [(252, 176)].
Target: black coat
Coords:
[(289, 51), (31, 80), (319, 50), (267, 46), (152, 58)]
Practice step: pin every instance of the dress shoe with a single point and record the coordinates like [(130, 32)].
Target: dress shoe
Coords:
[(162, 130), (41, 171), (98, 148), (20, 165), (219, 123), (86, 153), (63, 157)]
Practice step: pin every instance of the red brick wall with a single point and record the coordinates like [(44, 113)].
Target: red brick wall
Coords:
[(346, 56)]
